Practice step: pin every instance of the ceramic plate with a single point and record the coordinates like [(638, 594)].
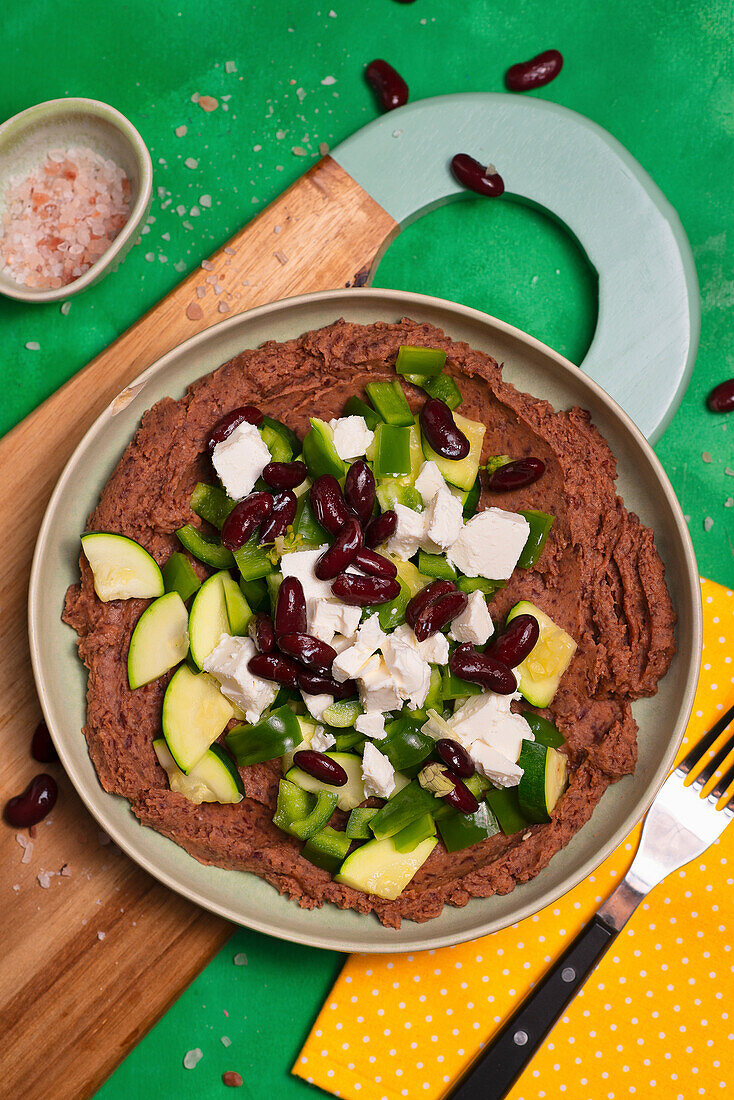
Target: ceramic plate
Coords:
[(244, 898)]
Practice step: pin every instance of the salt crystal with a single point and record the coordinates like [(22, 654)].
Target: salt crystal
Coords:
[(226, 1041), (65, 307), (65, 871), (280, 134), (281, 257), (192, 1058), (277, 228), (323, 148), (208, 103), (165, 236), (230, 67), (194, 212), (223, 307), (299, 151), (256, 148), (163, 259), (150, 257), (728, 471), (44, 879), (708, 523), (301, 93), (180, 265), (32, 345), (729, 502), (212, 280), (191, 163), (207, 265), (101, 935), (706, 457), (332, 14), (328, 80), (200, 291), (180, 210), (181, 131), (240, 959), (194, 312), (195, 97), (230, 251), (205, 201), (218, 288), (144, 230), (26, 845)]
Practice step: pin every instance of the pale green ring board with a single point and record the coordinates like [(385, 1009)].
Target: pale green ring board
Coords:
[(648, 324)]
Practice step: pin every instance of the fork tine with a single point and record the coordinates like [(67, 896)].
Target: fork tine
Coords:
[(701, 747), (714, 764), (723, 784)]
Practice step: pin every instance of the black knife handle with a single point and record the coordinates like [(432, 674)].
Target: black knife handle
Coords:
[(512, 1048)]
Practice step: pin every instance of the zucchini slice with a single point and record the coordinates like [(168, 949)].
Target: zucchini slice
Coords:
[(463, 473), (214, 779), (544, 779), (194, 714), (159, 641), (348, 796), (541, 671), (122, 569), (378, 868)]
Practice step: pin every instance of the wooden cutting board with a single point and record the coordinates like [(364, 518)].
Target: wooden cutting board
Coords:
[(78, 918)]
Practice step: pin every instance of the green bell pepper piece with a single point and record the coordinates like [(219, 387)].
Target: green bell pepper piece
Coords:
[(456, 688), (412, 835), (287, 433), (211, 503), (480, 584), (540, 525), (392, 614), (327, 849), (347, 739), (343, 713), (472, 500), (445, 389), (323, 806), (356, 407), (293, 804), (180, 576), (273, 582), (545, 732), (309, 532), (425, 362), (433, 701), (391, 451), (319, 452), (253, 559), (358, 823), (477, 784), (404, 745), (392, 491), (255, 592), (279, 447), (504, 802), (206, 548), (463, 830), (435, 565), (265, 740), (389, 400), (495, 462), (403, 808)]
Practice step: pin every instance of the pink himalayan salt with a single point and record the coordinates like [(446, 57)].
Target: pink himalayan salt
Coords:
[(58, 220)]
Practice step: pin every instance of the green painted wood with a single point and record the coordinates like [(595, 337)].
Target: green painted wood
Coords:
[(648, 323)]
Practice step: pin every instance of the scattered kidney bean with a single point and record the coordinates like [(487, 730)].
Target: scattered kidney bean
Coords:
[(316, 683), (534, 73), (232, 1079), (244, 518), (262, 632), (455, 756), (30, 807), (721, 398), (515, 642), (476, 177), (374, 564), (426, 595), (480, 669), (388, 85), (327, 504), (364, 591), (380, 528), (284, 475), (515, 475), (341, 552), (461, 797), (274, 666), (42, 747), (281, 517), (359, 490), (290, 608), (232, 420), (321, 767), (310, 651), (439, 428), (437, 613)]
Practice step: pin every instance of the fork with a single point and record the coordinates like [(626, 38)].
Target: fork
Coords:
[(680, 825)]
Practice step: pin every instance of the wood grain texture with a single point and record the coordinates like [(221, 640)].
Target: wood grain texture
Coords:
[(95, 956)]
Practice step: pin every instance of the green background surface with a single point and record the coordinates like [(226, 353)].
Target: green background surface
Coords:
[(658, 76)]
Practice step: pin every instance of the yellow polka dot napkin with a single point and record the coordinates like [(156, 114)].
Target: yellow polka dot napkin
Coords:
[(655, 1019)]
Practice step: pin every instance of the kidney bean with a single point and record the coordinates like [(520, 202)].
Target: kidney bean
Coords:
[(456, 757), (327, 504), (721, 398), (341, 552), (364, 591), (380, 528), (534, 73), (262, 632), (426, 595), (439, 428), (281, 517), (284, 475), (290, 608), (244, 518), (515, 642), (388, 85), (476, 177), (321, 767), (232, 420), (359, 490), (309, 651), (275, 666), (374, 564), (461, 797), (515, 475), (42, 747), (30, 807), (437, 613), (316, 683), (479, 668)]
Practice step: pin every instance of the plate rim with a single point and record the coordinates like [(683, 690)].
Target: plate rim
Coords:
[(306, 937)]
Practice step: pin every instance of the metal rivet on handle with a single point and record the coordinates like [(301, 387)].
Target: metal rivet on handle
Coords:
[(521, 1038), (568, 974)]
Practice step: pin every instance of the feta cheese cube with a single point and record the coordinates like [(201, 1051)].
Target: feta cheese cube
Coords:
[(240, 459), (317, 704), (301, 564), (329, 617), (411, 675), (429, 481), (410, 532), (340, 643), (352, 437), (371, 725), (378, 773), (444, 521), (494, 766), (227, 663), (435, 649), (474, 624), (376, 688), (348, 664), (488, 718), (490, 544), (321, 740)]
